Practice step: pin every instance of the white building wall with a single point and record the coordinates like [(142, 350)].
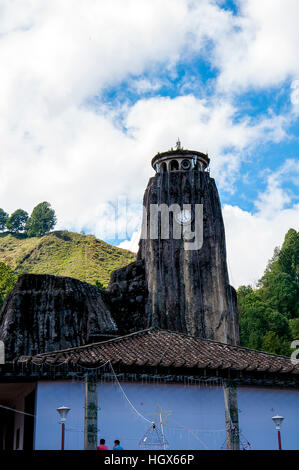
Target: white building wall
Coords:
[(196, 420)]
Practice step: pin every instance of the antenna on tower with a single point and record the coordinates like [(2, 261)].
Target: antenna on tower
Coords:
[(178, 144)]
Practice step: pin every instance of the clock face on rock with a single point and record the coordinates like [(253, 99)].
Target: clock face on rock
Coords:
[(184, 216)]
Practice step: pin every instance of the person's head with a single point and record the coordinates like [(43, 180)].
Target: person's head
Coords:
[(116, 442), (102, 441)]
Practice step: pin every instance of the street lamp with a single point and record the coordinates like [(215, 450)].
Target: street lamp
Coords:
[(63, 411), (278, 421)]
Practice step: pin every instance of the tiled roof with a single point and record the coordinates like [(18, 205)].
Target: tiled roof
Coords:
[(154, 347)]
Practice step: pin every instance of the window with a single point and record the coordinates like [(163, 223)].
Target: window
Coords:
[(174, 165)]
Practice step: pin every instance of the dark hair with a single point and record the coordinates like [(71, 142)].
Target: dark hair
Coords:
[(116, 442), (102, 441)]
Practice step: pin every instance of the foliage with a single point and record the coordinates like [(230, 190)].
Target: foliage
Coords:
[(294, 327), (269, 314), (271, 342), (7, 281), (3, 219), (41, 221), (288, 259), (100, 285), (17, 221)]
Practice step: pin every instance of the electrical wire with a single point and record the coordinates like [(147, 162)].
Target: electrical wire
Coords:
[(130, 403), (16, 411)]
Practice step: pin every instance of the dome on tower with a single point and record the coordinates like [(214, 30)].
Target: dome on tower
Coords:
[(180, 159)]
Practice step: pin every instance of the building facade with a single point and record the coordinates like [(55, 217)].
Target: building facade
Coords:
[(200, 394)]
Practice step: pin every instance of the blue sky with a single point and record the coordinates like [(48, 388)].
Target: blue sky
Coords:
[(90, 95)]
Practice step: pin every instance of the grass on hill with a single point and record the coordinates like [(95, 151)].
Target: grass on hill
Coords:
[(64, 253)]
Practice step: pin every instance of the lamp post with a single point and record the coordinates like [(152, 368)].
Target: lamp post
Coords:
[(278, 421), (63, 411)]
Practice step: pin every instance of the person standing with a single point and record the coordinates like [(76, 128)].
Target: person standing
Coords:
[(102, 445), (117, 445)]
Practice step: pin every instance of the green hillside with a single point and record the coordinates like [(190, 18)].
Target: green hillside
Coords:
[(64, 253)]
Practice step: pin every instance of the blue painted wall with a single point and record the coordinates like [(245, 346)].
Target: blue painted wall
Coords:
[(196, 421), (256, 408)]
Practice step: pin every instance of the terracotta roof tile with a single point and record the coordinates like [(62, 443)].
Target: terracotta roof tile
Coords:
[(155, 347)]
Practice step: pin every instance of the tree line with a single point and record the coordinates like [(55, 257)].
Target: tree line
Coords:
[(41, 221), (269, 313)]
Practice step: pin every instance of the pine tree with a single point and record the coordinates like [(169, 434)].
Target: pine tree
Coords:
[(41, 221)]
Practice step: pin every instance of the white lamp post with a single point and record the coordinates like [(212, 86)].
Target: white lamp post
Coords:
[(278, 421), (63, 411)]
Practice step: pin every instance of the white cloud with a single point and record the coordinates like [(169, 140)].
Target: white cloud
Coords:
[(69, 50), (252, 237), (295, 96), (133, 243), (55, 56), (275, 198), (58, 52), (144, 85), (259, 48)]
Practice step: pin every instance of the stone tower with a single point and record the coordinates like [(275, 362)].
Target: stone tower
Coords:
[(186, 278)]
